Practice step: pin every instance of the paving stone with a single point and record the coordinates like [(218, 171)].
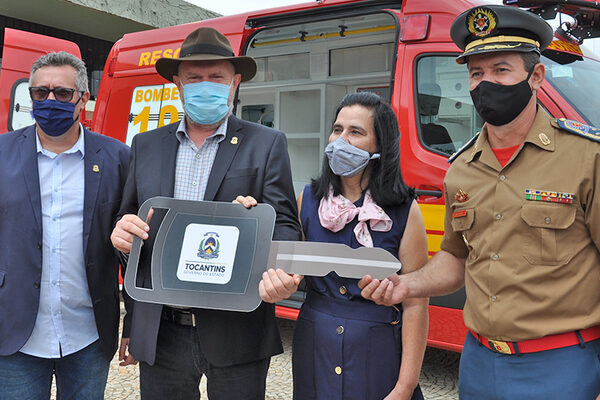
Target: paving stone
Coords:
[(439, 376)]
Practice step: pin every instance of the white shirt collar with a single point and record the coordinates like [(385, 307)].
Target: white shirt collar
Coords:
[(79, 145)]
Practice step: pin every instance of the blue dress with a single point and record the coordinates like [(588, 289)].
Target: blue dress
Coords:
[(346, 347)]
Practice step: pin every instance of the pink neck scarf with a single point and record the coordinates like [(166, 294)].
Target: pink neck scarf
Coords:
[(337, 211)]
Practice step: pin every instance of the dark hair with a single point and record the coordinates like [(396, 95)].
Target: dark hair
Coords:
[(385, 181), (530, 59)]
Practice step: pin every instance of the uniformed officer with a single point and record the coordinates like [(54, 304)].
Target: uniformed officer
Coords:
[(522, 227)]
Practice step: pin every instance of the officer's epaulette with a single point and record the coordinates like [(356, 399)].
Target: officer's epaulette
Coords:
[(578, 128), (465, 147)]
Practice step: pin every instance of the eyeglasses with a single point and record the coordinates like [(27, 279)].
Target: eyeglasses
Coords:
[(64, 95)]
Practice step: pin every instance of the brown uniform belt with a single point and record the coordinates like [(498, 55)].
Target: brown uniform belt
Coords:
[(178, 316), (544, 343)]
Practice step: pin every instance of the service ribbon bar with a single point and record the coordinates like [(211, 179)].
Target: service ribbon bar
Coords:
[(548, 196)]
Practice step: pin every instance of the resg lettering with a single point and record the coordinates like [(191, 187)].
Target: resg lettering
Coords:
[(150, 58)]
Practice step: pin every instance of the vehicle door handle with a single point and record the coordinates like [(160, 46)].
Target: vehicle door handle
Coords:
[(430, 193)]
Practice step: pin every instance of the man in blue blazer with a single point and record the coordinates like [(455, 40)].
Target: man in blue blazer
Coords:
[(60, 190), (210, 155)]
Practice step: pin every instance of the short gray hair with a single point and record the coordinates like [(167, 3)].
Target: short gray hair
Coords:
[(58, 60)]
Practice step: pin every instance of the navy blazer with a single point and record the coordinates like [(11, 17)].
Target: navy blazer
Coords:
[(21, 234), (256, 164)]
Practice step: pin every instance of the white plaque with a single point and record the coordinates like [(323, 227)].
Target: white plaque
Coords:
[(208, 253)]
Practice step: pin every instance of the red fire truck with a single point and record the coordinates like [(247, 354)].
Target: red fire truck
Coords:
[(309, 56)]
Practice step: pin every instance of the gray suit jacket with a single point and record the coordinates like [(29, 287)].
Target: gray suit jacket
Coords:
[(256, 165)]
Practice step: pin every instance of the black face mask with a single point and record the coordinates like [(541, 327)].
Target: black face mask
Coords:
[(499, 104)]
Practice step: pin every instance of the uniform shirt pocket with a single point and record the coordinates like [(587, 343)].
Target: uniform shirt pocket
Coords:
[(545, 242), (463, 225), (462, 220)]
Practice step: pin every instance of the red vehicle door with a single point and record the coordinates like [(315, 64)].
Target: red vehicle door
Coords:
[(21, 49)]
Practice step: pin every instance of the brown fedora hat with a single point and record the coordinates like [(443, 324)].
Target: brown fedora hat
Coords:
[(206, 44)]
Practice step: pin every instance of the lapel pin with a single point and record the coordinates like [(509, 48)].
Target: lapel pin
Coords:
[(234, 140), (96, 168), (544, 139), (461, 196)]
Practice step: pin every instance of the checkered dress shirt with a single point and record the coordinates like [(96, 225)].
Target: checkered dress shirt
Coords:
[(193, 165)]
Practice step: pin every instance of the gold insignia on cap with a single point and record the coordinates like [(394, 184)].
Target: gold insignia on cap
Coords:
[(95, 168), (481, 21), (234, 140), (544, 139), (499, 42)]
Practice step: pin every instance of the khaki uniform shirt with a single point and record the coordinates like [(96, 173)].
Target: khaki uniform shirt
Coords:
[(532, 266)]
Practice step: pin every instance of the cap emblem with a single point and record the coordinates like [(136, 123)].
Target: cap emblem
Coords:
[(481, 21)]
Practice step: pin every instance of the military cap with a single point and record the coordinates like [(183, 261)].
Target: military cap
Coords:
[(493, 28)]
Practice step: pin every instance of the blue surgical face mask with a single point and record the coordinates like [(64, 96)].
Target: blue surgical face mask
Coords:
[(345, 159), (206, 103), (53, 116)]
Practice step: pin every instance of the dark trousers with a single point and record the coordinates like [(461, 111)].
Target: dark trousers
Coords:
[(180, 365)]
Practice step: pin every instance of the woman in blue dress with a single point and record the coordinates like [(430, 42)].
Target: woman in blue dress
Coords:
[(347, 347)]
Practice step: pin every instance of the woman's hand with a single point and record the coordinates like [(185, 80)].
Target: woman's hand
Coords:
[(277, 285), (400, 393)]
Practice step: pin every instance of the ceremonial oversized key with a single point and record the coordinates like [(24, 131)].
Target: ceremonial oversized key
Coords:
[(212, 255)]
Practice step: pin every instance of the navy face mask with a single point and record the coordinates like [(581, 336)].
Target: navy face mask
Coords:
[(53, 116)]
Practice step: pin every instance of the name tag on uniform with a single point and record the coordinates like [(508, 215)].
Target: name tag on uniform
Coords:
[(549, 196), (459, 214)]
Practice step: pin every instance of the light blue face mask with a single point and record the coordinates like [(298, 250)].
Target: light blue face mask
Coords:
[(345, 159), (206, 103)]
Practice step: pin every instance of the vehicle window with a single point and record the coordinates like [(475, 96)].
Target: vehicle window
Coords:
[(577, 79), (20, 106), (361, 59), (281, 68), (263, 114), (446, 118)]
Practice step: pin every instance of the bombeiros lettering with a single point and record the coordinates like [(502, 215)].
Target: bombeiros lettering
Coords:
[(148, 95)]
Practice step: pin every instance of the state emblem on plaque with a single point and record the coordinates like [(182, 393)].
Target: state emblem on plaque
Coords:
[(209, 246)]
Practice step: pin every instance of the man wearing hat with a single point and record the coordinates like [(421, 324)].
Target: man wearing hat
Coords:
[(209, 155), (522, 227)]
